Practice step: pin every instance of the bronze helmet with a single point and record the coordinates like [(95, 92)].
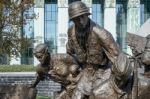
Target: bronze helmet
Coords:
[(41, 48), (41, 52), (77, 8)]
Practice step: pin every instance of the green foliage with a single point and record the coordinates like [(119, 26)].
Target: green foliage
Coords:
[(11, 22), (17, 68), (42, 97)]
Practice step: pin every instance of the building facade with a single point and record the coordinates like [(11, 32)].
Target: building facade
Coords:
[(51, 22)]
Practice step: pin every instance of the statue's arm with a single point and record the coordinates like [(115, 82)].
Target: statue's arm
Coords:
[(57, 78), (121, 68), (69, 45), (35, 83), (39, 76), (70, 49), (106, 39)]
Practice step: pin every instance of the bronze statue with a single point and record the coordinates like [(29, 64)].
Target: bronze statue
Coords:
[(60, 68), (106, 72), (94, 48)]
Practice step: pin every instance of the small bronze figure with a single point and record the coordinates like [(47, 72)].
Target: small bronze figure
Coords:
[(60, 68)]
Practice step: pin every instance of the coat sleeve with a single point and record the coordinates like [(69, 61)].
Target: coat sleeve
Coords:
[(110, 47), (121, 64), (69, 45)]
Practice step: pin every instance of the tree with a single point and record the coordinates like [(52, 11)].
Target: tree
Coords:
[(12, 42)]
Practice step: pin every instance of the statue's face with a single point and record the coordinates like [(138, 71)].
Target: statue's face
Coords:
[(81, 21), (41, 57)]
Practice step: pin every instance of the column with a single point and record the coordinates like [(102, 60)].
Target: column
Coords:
[(63, 21), (110, 17), (133, 18), (38, 24)]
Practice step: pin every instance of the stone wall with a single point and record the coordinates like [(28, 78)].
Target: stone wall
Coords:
[(45, 88), (17, 92)]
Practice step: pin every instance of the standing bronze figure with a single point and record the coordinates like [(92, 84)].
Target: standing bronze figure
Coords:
[(94, 49)]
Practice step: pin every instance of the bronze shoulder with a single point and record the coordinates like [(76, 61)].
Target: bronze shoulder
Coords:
[(102, 33), (70, 29)]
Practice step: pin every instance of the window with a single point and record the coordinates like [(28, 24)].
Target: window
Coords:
[(51, 24), (28, 28), (121, 28), (144, 10), (98, 11)]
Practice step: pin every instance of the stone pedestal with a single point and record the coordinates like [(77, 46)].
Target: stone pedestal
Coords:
[(17, 92)]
